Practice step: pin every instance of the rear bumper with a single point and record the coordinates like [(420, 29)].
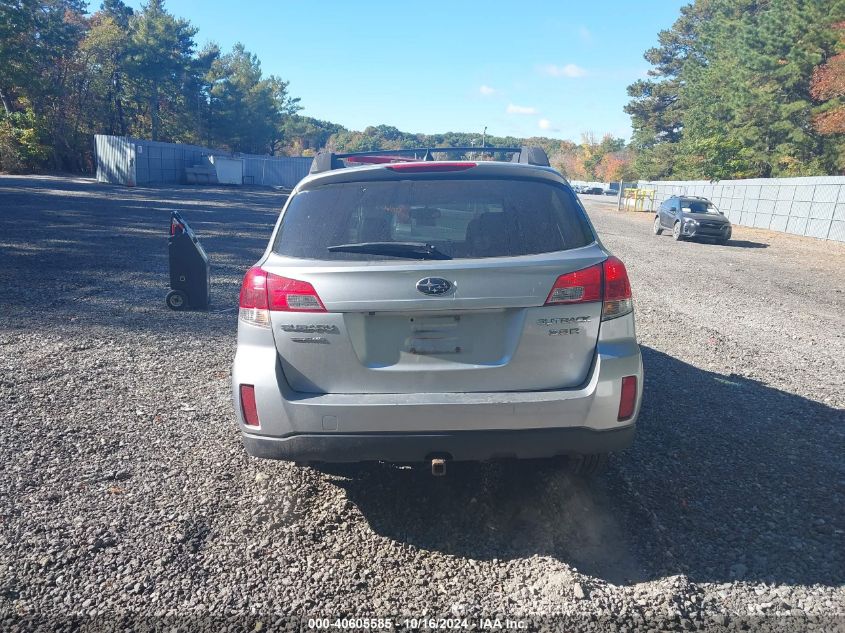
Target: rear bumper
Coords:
[(464, 426), (458, 445)]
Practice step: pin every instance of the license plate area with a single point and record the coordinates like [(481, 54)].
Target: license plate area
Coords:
[(434, 335), (413, 340)]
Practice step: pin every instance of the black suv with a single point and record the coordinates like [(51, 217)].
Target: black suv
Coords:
[(692, 216)]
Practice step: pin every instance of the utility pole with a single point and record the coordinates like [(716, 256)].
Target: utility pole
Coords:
[(484, 138)]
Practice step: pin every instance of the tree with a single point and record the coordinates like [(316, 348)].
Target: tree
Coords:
[(716, 158), (118, 11), (615, 167), (248, 111), (568, 161), (159, 59), (18, 33), (102, 53), (656, 105), (23, 142), (305, 134), (828, 86), (755, 87), (285, 107), (65, 75), (592, 152), (732, 84)]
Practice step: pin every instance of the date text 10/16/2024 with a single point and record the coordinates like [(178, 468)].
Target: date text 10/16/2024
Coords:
[(410, 624)]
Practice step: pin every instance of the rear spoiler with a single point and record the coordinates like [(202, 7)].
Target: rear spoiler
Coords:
[(327, 161)]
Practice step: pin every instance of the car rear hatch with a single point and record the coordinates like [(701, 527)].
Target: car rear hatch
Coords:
[(465, 311)]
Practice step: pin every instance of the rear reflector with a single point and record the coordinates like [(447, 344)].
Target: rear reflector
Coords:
[(262, 292), (248, 406), (431, 166), (582, 286), (628, 399)]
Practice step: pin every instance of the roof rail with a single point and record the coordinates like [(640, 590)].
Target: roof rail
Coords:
[(326, 160)]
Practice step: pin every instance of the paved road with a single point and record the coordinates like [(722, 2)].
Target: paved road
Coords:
[(124, 490)]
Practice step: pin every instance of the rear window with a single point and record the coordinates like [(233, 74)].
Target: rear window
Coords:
[(461, 218)]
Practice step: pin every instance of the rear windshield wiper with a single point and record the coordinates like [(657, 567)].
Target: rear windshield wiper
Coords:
[(413, 250)]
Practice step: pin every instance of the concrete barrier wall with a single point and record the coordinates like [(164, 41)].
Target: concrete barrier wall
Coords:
[(159, 163), (130, 161), (275, 171), (812, 206), (115, 159)]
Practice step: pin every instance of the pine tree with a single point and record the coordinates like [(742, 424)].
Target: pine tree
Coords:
[(159, 59), (731, 96)]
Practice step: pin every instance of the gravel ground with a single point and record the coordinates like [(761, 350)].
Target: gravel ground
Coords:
[(127, 501)]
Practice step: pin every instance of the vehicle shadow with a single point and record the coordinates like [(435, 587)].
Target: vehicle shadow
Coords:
[(504, 510), (727, 479), (731, 243), (745, 244)]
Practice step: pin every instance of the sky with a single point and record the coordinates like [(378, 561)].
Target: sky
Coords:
[(554, 69)]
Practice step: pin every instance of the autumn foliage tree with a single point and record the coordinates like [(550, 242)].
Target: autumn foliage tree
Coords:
[(606, 160), (615, 167), (828, 86), (733, 93)]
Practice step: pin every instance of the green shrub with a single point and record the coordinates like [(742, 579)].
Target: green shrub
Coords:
[(22, 142)]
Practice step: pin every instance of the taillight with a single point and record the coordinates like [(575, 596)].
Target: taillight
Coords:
[(262, 292), (253, 302), (248, 406), (617, 290), (581, 286), (606, 282), (432, 166), (289, 295), (628, 399)]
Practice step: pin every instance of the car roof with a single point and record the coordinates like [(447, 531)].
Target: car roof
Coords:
[(691, 198), (479, 169)]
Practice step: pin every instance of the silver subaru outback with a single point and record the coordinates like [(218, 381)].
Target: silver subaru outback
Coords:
[(417, 310)]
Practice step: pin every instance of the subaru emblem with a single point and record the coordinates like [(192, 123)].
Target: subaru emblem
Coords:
[(434, 286)]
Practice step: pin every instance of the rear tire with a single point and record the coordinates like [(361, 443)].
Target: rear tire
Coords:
[(658, 230), (176, 300), (587, 465), (676, 232)]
